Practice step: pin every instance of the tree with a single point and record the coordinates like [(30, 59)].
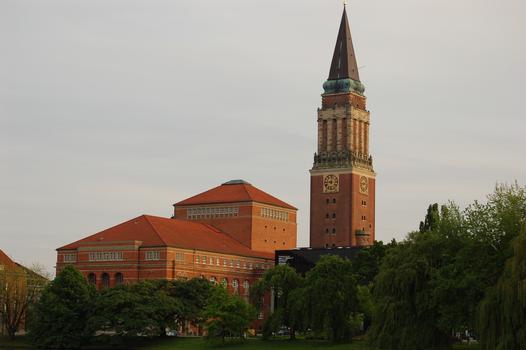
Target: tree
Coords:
[(405, 313), (227, 315), (502, 319), (143, 308), (331, 297), (430, 285), (367, 262), (19, 290), (193, 296), (60, 317), (279, 281)]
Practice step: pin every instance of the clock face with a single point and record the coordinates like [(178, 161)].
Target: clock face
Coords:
[(364, 184), (331, 183)]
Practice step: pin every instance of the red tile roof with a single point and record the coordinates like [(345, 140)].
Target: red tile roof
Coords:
[(234, 191), (158, 231), (5, 260)]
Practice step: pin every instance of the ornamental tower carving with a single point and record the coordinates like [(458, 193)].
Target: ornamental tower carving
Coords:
[(342, 211)]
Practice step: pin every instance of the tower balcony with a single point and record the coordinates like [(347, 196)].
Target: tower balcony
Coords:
[(342, 159)]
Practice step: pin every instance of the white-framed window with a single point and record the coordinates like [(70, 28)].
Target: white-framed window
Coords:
[(231, 263), (224, 282), (213, 280), (238, 264), (274, 214), (204, 259), (235, 284), (197, 259), (179, 256), (212, 262), (225, 262), (70, 257), (211, 212), (105, 256), (217, 261), (152, 255)]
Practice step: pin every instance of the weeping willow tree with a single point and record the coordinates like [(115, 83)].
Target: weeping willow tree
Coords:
[(502, 319), (406, 312)]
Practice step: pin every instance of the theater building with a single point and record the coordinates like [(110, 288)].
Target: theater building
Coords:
[(227, 235)]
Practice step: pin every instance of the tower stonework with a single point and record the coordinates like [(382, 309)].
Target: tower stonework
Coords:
[(342, 206)]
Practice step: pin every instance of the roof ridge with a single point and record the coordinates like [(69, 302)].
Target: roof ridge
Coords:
[(226, 234), (146, 217), (248, 193)]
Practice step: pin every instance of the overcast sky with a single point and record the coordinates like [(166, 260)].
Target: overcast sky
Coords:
[(111, 109)]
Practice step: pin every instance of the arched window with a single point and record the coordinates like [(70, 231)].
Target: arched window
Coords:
[(119, 279), (246, 287), (92, 278), (213, 280), (224, 282), (105, 280), (235, 285)]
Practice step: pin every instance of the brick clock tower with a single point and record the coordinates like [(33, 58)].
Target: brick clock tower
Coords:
[(342, 206)]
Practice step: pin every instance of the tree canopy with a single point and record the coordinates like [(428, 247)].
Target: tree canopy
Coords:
[(60, 318)]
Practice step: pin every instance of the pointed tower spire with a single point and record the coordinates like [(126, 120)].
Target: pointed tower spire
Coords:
[(344, 60)]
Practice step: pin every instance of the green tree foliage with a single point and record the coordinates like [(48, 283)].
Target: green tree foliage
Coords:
[(281, 281), (143, 308), (227, 315), (406, 312), (60, 317), (367, 262), (193, 296), (503, 310), (331, 298), (432, 283)]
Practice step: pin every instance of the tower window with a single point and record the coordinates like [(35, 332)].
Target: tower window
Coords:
[(333, 230), (327, 215), (327, 200), (334, 215), (334, 200), (326, 230)]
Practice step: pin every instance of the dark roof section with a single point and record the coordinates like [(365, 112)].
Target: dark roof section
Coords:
[(236, 182), (344, 60), (304, 259)]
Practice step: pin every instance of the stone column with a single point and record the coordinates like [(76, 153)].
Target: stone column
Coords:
[(320, 135)]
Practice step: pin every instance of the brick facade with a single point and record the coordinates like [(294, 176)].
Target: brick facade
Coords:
[(230, 242), (343, 182)]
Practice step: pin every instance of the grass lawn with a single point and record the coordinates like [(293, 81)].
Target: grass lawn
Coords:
[(256, 344), (200, 344)]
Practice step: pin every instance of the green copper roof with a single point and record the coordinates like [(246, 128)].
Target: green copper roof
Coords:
[(343, 85)]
